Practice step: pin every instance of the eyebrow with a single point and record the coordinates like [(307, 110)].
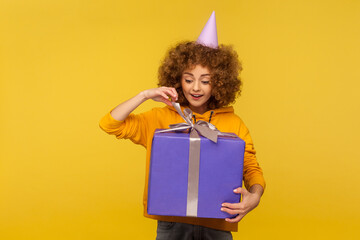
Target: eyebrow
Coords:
[(202, 75)]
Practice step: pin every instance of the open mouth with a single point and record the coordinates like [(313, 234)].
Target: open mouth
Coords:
[(196, 96)]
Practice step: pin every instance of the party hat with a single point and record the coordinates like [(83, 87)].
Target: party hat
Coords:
[(208, 36)]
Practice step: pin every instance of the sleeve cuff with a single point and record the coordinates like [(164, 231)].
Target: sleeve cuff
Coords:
[(258, 180), (108, 122)]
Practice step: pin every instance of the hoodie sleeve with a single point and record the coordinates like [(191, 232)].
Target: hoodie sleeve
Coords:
[(135, 127), (253, 173)]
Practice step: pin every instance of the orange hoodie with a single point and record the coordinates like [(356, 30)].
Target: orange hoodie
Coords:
[(140, 129)]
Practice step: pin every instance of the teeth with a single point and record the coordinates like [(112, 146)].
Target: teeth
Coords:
[(196, 95)]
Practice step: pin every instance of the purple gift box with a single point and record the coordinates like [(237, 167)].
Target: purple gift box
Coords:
[(220, 171)]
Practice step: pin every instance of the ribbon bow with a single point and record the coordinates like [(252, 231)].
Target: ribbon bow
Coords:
[(202, 128)]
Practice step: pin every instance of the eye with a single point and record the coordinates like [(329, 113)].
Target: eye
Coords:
[(188, 81), (205, 82)]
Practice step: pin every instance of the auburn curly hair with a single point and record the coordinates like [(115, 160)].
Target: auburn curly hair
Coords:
[(222, 63)]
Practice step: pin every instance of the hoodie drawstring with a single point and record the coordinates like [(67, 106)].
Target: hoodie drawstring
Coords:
[(194, 119), (211, 113)]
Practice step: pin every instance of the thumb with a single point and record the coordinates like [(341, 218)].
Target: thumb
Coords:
[(167, 103)]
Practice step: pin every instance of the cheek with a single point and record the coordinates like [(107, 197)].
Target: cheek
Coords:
[(185, 88), (209, 90)]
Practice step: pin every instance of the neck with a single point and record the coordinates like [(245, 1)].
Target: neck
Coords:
[(200, 110)]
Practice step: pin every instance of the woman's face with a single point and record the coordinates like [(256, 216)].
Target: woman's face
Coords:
[(196, 88)]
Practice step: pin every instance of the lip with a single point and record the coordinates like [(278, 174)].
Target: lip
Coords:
[(196, 96)]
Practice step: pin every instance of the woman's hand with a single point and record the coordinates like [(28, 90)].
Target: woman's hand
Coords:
[(250, 200), (161, 94)]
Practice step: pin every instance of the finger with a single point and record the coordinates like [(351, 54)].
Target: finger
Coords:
[(231, 205), (234, 220), (241, 190), (164, 91), (239, 207), (175, 93), (172, 92), (166, 97), (230, 211)]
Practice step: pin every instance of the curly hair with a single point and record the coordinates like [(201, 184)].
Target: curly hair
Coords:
[(222, 63)]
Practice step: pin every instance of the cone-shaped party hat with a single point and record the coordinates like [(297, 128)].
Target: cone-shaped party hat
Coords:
[(208, 36)]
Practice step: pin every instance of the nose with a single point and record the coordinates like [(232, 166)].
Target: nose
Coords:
[(196, 86)]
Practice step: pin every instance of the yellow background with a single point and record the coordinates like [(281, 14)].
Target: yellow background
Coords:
[(64, 64)]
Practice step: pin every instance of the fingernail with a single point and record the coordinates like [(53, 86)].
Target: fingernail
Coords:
[(235, 190), (222, 209), (223, 205)]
